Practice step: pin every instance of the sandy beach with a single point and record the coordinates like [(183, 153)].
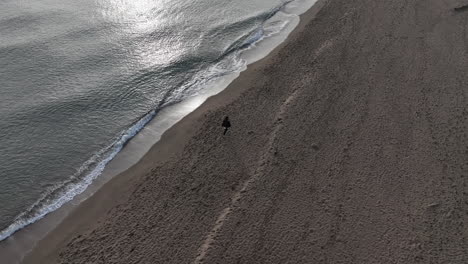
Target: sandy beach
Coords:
[(349, 144)]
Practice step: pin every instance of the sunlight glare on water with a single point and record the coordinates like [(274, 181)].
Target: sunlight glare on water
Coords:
[(139, 13), (82, 77), (147, 22)]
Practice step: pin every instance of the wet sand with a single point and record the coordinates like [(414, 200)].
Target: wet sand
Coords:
[(349, 145)]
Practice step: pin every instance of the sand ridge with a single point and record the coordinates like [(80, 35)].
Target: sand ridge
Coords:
[(270, 151)]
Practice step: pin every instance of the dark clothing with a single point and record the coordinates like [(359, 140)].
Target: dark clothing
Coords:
[(226, 124)]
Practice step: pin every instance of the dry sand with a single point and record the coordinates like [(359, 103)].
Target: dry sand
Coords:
[(349, 145)]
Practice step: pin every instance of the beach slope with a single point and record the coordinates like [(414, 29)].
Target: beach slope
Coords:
[(349, 144)]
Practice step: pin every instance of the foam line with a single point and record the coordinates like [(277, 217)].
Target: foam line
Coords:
[(60, 194)]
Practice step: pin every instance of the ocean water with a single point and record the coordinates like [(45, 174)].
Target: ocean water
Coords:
[(79, 79)]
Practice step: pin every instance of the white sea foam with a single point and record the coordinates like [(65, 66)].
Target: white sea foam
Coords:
[(70, 189), (57, 196)]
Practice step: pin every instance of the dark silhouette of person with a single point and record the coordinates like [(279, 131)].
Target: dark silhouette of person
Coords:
[(226, 124)]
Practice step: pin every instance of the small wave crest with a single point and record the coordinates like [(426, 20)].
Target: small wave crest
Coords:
[(259, 33), (58, 195)]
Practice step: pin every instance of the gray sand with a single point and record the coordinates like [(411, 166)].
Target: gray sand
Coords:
[(349, 145)]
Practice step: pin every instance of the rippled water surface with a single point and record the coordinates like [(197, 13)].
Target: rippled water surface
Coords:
[(79, 78)]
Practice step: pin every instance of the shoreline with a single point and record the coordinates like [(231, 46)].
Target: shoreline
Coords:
[(348, 145), (89, 208), (108, 167)]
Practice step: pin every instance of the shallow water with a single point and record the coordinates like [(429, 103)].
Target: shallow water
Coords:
[(79, 79)]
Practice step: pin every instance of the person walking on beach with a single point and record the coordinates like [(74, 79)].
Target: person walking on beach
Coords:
[(226, 124)]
